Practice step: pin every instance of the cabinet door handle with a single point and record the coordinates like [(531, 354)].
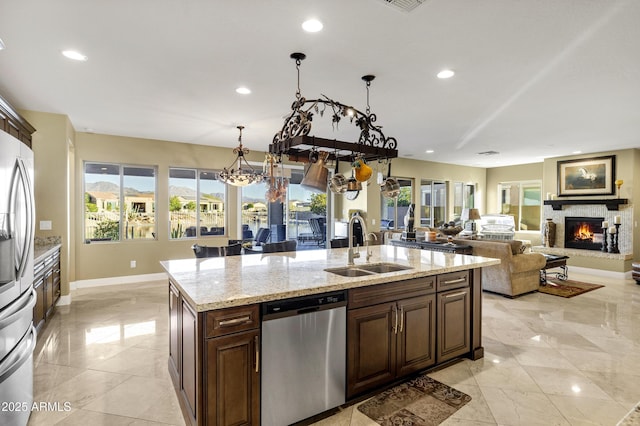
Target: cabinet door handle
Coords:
[(256, 342), (401, 318), (235, 321), (395, 323), (459, 280), (460, 293)]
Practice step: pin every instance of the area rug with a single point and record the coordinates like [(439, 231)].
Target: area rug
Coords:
[(419, 402), (568, 288)]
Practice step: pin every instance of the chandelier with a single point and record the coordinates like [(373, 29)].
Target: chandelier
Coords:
[(240, 173)]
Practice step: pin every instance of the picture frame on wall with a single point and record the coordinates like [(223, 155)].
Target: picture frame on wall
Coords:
[(587, 176)]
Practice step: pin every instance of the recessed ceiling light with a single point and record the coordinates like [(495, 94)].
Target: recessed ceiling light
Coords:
[(1, 44), (75, 55), (312, 26), (429, 151), (446, 74), (243, 90), (577, 152)]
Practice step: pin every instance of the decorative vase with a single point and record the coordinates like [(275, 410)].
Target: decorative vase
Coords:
[(549, 233)]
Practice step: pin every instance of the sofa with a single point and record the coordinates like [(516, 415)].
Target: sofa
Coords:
[(518, 272)]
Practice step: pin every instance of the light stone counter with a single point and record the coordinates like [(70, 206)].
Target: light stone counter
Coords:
[(222, 282)]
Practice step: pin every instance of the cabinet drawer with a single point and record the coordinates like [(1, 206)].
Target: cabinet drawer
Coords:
[(453, 280), (232, 320), (382, 293)]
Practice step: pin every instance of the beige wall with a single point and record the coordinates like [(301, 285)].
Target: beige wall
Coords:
[(113, 259), (60, 153), (52, 142)]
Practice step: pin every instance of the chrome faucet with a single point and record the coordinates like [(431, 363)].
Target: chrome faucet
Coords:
[(353, 251), (366, 244)]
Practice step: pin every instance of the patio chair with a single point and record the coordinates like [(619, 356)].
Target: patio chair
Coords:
[(206, 251), (262, 236), (281, 246)]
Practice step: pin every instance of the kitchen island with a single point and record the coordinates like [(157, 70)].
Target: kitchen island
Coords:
[(416, 318)]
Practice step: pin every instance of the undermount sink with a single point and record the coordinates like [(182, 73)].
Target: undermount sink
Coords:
[(367, 269)]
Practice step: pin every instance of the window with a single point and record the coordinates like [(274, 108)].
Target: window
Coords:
[(463, 198), (107, 187), (523, 201), (434, 203), (394, 210), (196, 203), (289, 220)]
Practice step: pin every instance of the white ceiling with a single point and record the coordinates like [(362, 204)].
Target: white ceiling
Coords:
[(533, 79)]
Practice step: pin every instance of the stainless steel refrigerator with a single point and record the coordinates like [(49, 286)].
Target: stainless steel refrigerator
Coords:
[(17, 296)]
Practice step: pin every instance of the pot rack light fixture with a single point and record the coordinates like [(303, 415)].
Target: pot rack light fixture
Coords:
[(294, 140), (240, 173)]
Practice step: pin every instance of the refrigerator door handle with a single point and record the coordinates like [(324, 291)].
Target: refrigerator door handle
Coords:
[(19, 356), (26, 301), (20, 180)]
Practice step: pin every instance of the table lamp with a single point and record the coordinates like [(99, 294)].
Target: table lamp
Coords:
[(469, 216)]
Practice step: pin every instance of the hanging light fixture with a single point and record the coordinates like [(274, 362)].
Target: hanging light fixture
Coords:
[(240, 173)]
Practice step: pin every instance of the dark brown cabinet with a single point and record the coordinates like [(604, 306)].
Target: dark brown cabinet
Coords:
[(233, 379), (454, 315), (46, 282), (214, 361), (389, 340)]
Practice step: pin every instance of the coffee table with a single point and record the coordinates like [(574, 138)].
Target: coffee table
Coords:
[(554, 261)]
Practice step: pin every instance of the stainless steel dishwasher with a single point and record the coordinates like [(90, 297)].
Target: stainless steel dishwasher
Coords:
[(303, 357)]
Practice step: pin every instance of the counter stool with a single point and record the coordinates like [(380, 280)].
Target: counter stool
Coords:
[(636, 272)]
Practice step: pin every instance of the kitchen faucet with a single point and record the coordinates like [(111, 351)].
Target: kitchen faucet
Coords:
[(353, 252)]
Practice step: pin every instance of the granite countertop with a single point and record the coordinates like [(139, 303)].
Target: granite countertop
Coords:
[(221, 282), (43, 247)]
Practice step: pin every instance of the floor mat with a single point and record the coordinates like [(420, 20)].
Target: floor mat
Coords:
[(568, 288), (419, 402)]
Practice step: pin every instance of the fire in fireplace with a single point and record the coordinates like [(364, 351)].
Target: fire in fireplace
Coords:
[(583, 232)]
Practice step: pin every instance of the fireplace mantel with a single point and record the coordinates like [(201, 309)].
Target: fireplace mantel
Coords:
[(611, 203)]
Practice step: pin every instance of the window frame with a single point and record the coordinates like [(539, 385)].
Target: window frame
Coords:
[(122, 210), (522, 185), (198, 210)]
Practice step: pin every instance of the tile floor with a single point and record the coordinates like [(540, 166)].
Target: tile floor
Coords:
[(548, 360)]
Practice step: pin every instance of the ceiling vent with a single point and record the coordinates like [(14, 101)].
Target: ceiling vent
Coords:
[(404, 5), (488, 153)]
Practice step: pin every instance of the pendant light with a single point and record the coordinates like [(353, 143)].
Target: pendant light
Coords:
[(240, 173)]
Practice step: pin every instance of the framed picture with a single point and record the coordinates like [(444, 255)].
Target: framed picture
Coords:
[(587, 176)]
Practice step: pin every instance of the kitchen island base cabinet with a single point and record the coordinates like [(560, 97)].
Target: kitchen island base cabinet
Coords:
[(214, 362), (389, 340), (234, 382), (453, 324)]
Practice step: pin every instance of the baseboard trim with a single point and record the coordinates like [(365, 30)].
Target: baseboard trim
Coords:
[(601, 273), (64, 300), (126, 279)]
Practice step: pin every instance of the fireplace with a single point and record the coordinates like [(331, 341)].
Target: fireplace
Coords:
[(583, 232)]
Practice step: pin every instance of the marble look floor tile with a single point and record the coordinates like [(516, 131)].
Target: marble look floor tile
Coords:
[(143, 398), (82, 389), (476, 410), (455, 375), (135, 361), (540, 357), (49, 376), (84, 418), (555, 381), (512, 407), (503, 373), (622, 387), (587, 411)]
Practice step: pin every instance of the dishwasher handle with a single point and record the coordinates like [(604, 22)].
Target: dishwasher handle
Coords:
[(303, 305)]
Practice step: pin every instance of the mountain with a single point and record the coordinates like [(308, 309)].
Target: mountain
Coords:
[(113, 188)]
